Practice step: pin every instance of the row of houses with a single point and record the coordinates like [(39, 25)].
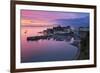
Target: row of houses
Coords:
[(57, 30)]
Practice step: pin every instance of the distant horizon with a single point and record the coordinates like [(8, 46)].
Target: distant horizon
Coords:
[(47, 26)]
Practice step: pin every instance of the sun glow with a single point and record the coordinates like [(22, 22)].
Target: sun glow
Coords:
[(36, 22), (26, 21)]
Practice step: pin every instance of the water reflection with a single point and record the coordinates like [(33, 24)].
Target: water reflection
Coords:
[(51, 48)]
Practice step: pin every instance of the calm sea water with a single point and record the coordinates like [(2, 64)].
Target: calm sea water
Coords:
[(45, 50)]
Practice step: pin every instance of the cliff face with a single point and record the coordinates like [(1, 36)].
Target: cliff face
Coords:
[(84, 47)]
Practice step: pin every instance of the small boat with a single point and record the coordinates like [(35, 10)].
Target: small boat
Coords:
[(72, 40), (25, 32)]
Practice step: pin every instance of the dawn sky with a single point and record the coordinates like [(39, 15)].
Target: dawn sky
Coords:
[(38, 18)]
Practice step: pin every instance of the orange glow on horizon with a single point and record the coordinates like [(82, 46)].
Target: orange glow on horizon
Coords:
[(26, 21), (37, 22)]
